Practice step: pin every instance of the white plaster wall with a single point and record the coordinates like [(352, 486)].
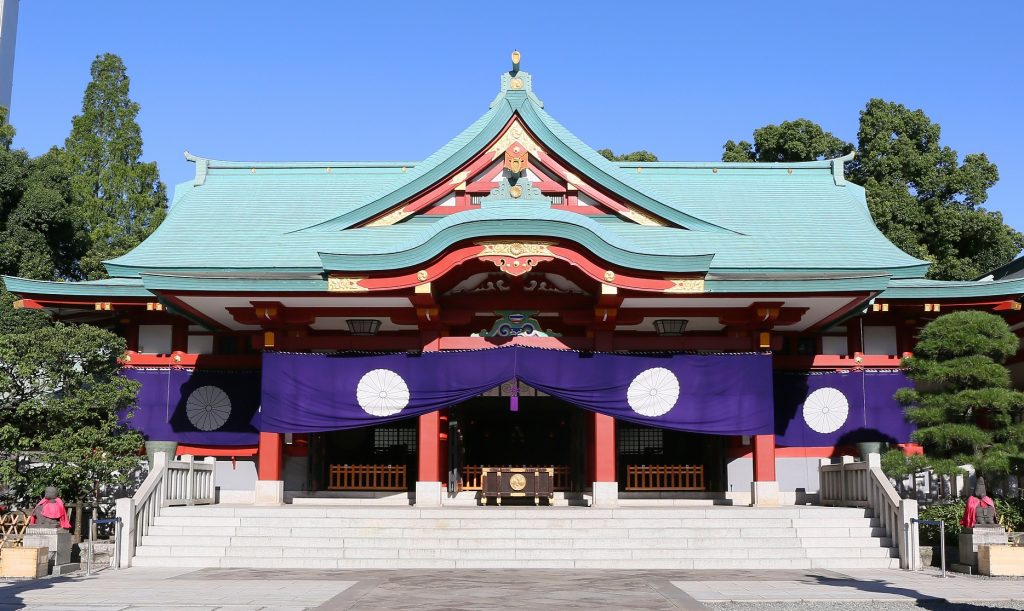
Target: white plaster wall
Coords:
[(793, 474), (240, 476)]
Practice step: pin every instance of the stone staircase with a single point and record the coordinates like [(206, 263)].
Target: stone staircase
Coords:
[(363, 537)]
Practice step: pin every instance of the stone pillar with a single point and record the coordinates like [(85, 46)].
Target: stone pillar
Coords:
[(270, 485), (764, 490), (606, 487), (428, 480)]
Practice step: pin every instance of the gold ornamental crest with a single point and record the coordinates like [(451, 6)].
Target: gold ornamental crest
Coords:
[(517, 482)]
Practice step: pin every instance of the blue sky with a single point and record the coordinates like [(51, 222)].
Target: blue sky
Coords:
[(394, 81)]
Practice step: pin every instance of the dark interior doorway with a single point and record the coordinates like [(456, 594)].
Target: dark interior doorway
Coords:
[(646, 446), (543, 432), (384, 446)]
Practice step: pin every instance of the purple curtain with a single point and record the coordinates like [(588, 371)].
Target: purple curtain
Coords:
[(726, 394), (202, 407), (837, 408)]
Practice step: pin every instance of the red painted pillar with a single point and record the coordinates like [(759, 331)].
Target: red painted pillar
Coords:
[(270, 456), (429, 445), (604, 448), (764, 458)]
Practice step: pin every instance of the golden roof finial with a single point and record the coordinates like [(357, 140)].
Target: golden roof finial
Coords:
[(515, 60)]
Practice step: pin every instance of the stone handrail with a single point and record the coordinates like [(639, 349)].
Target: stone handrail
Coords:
[(862, 484), (176, 482)]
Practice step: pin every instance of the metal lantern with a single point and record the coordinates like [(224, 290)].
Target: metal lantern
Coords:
[(363, 326), (670, 327)]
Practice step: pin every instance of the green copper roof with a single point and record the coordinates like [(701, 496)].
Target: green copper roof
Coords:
[(750, 226)]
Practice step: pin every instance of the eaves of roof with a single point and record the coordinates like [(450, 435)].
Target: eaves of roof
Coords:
[(378, 249), (796, 283), (114, 287), (920, 288)]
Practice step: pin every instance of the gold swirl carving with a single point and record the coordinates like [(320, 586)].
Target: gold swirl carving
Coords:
[(338, 284), (515, 133), (685, 285), (517, 482), (421, 275), (516, 249)]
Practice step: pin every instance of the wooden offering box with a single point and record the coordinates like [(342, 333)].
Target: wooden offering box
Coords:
[(516, 482), (24, 562)]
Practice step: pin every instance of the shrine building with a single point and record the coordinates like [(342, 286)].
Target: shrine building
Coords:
[(517, 300)]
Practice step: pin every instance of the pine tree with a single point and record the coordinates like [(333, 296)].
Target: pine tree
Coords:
[(123, 198), (963, 403)]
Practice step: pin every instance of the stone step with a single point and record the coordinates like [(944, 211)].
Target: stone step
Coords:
[(312, 537), (518, 553), (292, 512), (512, 554), (512, 522), (449, 541), (619, 563), (381, 537)]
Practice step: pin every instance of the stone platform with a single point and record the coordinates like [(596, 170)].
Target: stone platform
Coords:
[(363, 537)]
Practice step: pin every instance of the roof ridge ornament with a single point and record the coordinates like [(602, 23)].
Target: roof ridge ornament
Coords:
[(515, 81), (838, 163)]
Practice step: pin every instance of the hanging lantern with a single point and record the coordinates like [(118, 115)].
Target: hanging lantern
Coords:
[(670, 327)]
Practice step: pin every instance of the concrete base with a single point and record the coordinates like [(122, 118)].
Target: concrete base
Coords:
[(606, 494), (428, 494), (269, 492), (971, 538), (57, 540), (66, 569), (764, 494)]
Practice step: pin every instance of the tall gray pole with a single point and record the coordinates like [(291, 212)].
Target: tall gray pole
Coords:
[(8, 35)]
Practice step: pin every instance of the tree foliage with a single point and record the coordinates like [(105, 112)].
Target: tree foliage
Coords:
[(634, 156), (42, 232), (799, 140), (921, 196), (123, 198), (963, 403), (61, 394)]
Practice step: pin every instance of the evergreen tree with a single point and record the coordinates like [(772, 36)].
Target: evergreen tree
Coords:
[(634, 156), (920, 195), (924, 199), (61, 395), (60, 391), (963, 403), (123, 198), (42, 233), (799, 140)]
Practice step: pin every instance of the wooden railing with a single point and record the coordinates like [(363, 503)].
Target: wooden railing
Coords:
[(862, 484), (665, 477), (472, 476), (367, 477), (175, 482)]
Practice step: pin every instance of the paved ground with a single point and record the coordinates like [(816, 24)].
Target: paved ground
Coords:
[(287, 590)]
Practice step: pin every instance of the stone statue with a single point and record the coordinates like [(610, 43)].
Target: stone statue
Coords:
[(50, 512), (980, 510)]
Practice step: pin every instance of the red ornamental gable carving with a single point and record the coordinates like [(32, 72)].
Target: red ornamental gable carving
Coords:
[(515, 150), (516, 158)]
